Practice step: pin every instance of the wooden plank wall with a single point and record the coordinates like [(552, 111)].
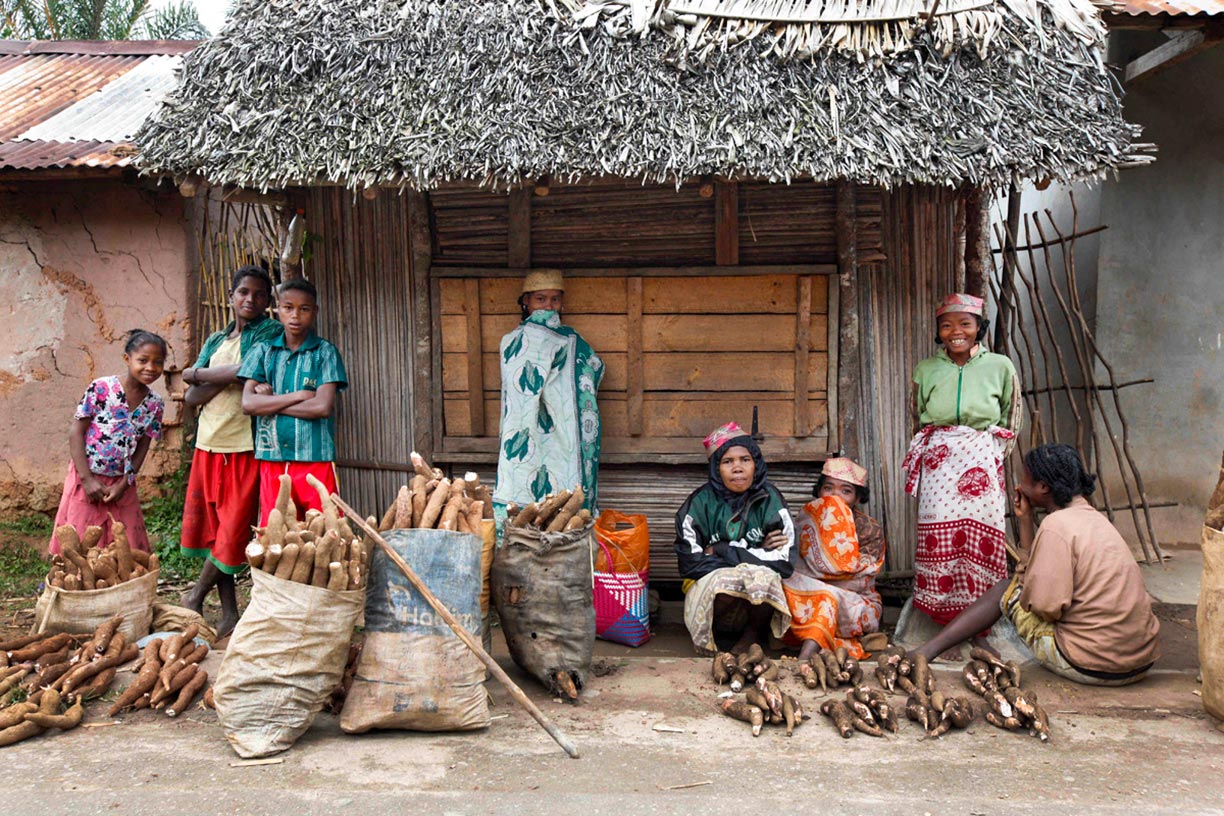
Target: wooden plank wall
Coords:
[(898, 297), (701, 352), (361, 269)]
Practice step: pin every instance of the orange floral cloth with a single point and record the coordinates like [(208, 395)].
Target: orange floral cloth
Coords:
[(832, 595)]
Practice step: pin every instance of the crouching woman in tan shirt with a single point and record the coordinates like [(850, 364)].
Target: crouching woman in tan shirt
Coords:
[(1077, 599)]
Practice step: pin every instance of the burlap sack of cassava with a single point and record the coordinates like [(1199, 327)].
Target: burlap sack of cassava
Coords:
[(1211, 622), (542, 591), (415, 674), (285, 657), (82, 611)]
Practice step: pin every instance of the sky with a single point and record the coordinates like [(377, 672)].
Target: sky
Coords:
[(212, 12)]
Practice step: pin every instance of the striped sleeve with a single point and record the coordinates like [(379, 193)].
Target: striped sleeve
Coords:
[(331, 366)]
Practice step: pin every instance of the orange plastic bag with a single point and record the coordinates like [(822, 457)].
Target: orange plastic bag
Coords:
[(627, 539)]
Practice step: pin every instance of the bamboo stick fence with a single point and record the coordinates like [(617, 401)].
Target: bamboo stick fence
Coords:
[(1070, 388)]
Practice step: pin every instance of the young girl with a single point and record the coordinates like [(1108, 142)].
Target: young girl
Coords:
[(967, 405), (832, 595), (116, 420)]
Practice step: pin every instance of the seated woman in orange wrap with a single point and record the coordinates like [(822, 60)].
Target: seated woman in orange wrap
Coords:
[(832, 595)]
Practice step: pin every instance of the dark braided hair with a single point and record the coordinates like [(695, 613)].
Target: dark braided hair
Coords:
[(139, 337), (1061, 468)]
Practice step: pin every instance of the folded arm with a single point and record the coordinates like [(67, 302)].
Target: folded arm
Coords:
[(256, 404), (318, 406)]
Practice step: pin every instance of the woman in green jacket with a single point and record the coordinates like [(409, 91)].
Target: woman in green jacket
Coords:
[(967, 407), (735, 542)]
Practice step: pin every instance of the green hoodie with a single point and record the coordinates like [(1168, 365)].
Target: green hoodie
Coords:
[(705, 520), (981, 393)]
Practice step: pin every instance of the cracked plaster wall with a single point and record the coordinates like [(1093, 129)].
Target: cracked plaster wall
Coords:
[(81, 263)]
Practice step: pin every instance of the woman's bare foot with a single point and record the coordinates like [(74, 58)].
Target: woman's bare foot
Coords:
[(745, 642), (954, 655), (980, 642)]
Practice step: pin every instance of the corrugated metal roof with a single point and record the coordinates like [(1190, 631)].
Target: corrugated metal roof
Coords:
[(29, 155), (72, 104), (117, 110), (1174, 8)]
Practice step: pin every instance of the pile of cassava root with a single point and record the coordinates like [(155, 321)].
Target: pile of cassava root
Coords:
[(45, 680), (555, 513), (830, 669), (432, 501), (81, 565), (168, 675), (1011, 706), (320, 551), (763, 700)]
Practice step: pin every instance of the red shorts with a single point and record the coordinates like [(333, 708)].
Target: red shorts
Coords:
[(219, 509), (304, 496)]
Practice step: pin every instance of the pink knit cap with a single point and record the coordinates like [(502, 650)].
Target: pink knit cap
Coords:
[(960, 302), (720, 435), (846, 470)]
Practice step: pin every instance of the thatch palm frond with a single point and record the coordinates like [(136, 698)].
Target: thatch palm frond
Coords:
[(419, 93)]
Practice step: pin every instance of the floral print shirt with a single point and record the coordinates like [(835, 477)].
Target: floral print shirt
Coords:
[(116, 430)]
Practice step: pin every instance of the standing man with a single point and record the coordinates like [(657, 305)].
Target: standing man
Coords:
[(223, 488), (549, 419)]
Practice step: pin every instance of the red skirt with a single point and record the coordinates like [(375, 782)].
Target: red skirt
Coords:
[(304, 496), (78, 510), (222, 497)]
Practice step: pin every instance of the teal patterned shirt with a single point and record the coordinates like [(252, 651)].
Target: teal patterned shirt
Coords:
[(280, 438), (257, 331)]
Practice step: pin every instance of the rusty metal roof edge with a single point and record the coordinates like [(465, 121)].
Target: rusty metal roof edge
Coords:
[(1166, 8), (97, 47)]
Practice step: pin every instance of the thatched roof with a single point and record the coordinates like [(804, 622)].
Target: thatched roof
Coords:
[(423, 92)]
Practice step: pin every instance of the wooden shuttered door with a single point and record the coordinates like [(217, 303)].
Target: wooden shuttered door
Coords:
[(681, 354)]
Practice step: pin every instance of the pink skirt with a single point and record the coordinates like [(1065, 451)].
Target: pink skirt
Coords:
[(76, 509)]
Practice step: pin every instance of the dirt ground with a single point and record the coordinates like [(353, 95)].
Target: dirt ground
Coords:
[(1113, 749), (1149, 746)]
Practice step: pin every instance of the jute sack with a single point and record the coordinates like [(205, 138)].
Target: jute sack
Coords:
[(488, 535), (1211, 622), (542, 591), (286, 655), (415, 674), (84, 610)]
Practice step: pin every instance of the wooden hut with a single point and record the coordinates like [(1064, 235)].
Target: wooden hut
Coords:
[(755, 205)]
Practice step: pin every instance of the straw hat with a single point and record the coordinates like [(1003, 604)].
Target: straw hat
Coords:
[(539, 279)]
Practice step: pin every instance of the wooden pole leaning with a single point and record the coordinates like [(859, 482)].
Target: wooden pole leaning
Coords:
[(517, 693)]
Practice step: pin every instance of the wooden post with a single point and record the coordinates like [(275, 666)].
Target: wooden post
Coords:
[(475, 366), (426, 328), (803, 347), (849, 367), (977, 240), (634, 361), (726, 223), (518, 235), (958, 241), (459, 630), (1007, 285)]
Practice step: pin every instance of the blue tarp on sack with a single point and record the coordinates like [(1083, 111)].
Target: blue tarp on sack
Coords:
[(414, 672)]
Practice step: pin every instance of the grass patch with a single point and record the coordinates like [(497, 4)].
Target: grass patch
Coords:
[(32, 524), (22, 569), (164, 521)]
